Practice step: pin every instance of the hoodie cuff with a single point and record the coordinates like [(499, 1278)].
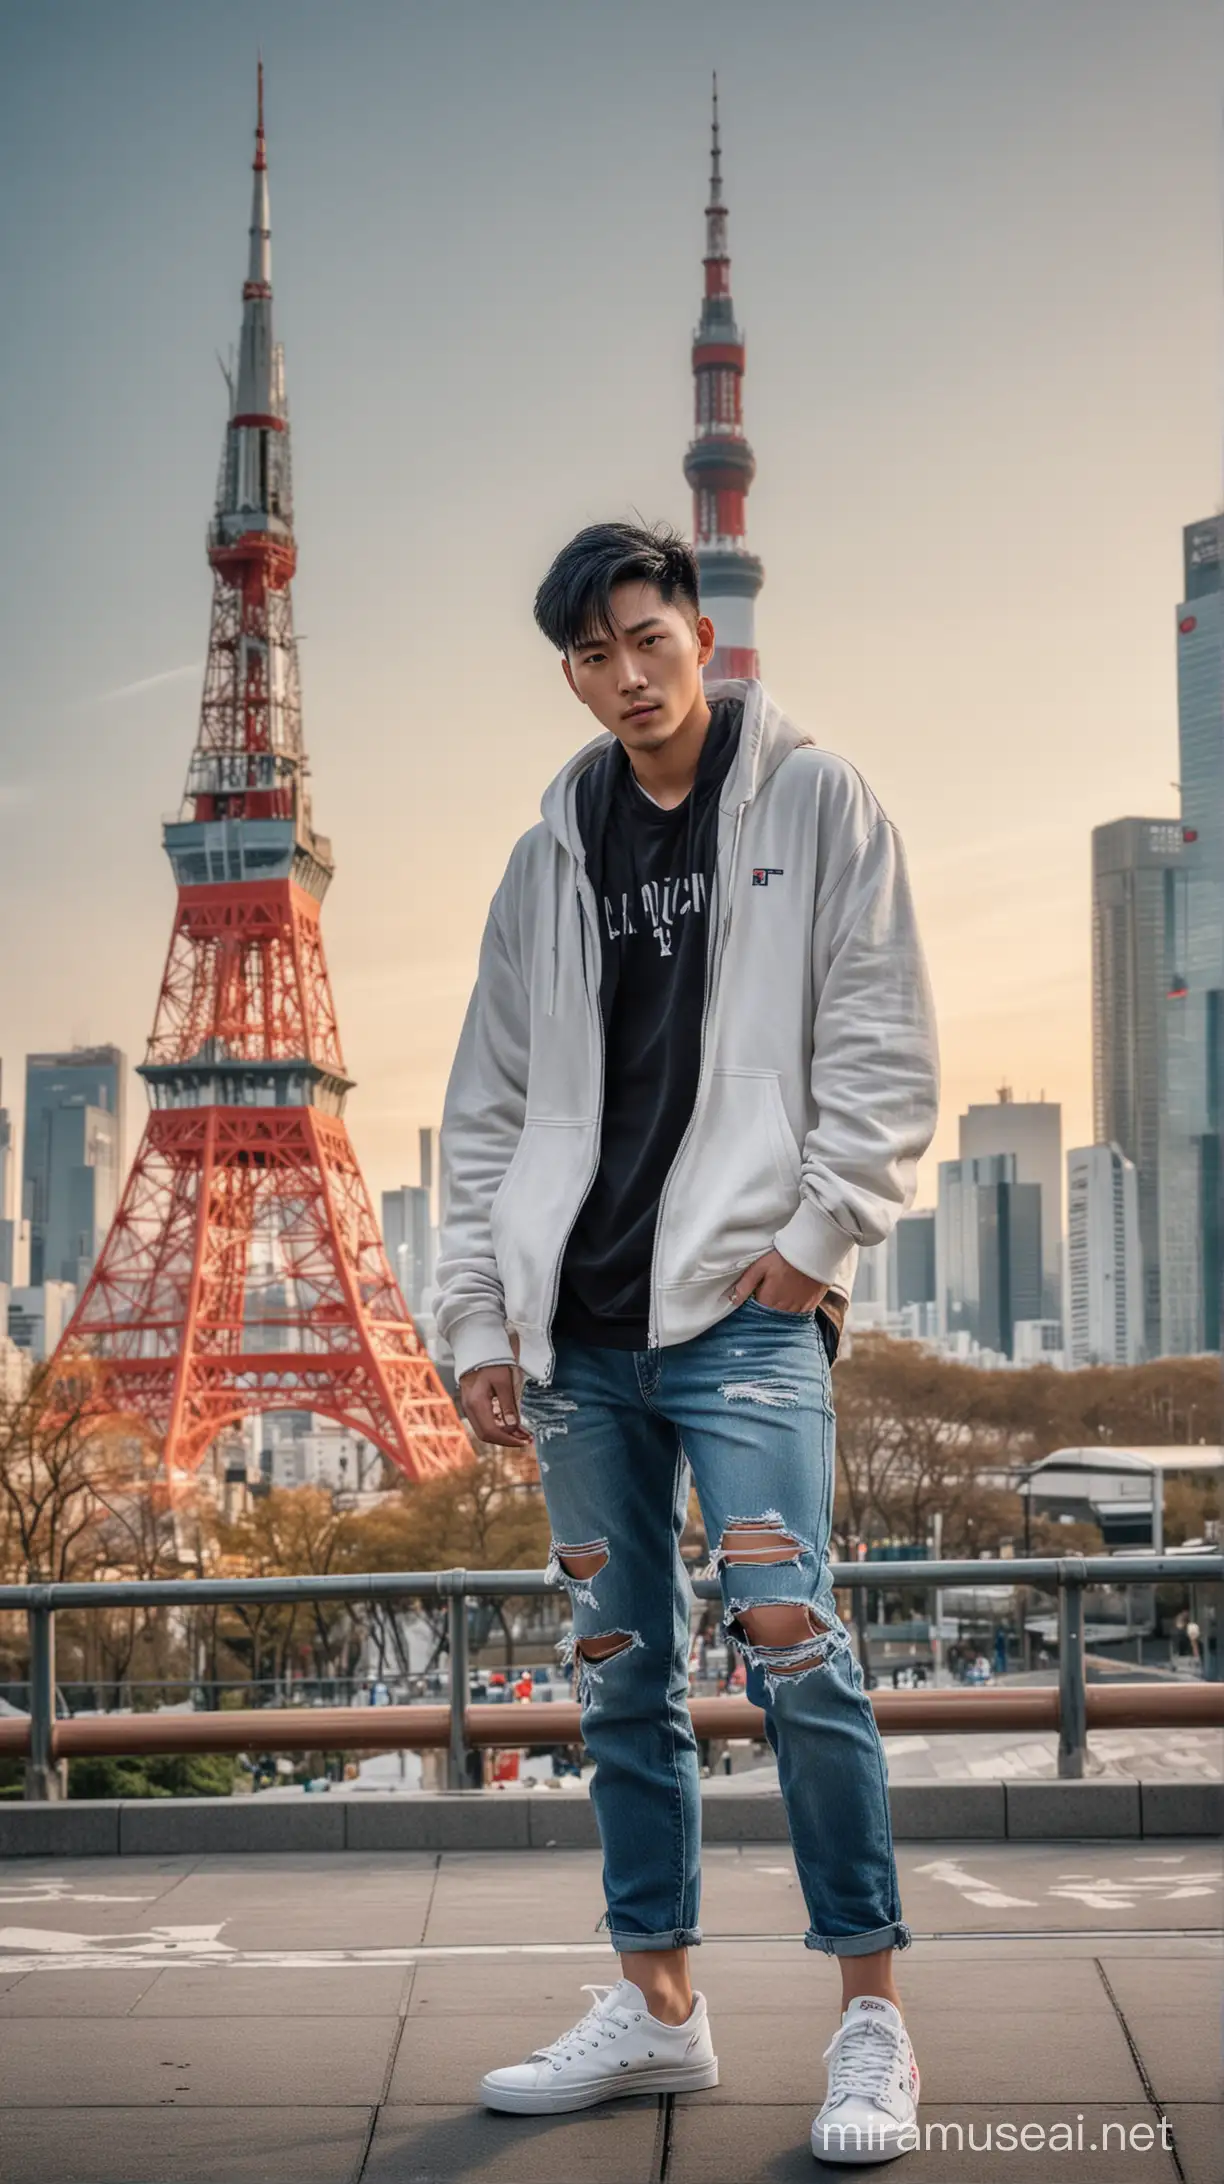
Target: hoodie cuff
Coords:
[(814, 1244), (479, 1338)]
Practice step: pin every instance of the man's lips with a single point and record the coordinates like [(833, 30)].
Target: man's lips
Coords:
[(639, 712)]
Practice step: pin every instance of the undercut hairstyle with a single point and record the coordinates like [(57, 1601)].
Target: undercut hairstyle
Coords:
[(573, 603)]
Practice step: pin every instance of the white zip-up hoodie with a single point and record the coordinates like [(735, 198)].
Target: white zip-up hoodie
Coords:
[(818, 1088)]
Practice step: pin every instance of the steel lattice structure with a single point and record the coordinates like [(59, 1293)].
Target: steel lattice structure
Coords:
[(244, 1270), (719, 464)]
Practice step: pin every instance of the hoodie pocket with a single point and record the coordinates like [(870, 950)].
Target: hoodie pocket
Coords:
[(531, 1214), (739, 1182)]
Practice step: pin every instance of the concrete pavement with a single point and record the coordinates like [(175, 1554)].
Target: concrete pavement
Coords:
[(313, 2020)]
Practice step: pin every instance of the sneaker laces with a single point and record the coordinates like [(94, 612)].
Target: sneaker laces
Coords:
[(863, 2059), (604, 2018)]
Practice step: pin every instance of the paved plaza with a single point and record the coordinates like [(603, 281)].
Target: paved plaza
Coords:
[(324, 2019)]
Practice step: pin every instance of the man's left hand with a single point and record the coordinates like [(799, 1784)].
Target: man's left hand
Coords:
[(772, 1280)]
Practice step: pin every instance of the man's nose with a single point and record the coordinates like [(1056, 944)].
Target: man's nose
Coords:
[(630, 673)]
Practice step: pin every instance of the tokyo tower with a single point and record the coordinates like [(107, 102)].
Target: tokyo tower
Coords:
[(719, 464), (244, 1270)]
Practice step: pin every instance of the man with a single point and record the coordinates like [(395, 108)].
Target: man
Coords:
[(696, 1073)]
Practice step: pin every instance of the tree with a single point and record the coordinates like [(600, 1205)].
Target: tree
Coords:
[(482, 1516), (291, 1532), (51, 1446)]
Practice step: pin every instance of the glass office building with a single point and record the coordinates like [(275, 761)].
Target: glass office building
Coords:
[(1135, 863), (1191, 1172), (72, 1162)]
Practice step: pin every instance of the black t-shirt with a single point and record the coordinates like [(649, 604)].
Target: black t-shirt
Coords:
[(653, 876)]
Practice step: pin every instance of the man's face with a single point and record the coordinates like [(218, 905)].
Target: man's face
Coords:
[(642, 677)]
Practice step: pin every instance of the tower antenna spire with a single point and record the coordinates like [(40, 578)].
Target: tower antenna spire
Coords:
[(261, 157), (720, 465)]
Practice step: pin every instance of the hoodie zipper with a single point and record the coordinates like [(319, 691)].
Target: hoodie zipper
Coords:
[(717, 952), (597, 1012)]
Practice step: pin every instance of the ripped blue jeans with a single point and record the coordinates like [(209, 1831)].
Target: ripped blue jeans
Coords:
[(747, 1407)]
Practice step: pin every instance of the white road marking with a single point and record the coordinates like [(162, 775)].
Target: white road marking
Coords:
[(26, 1892), (1102, 1892), (974, 1890)]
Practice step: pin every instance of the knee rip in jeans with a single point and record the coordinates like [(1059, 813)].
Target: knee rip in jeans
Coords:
[(750, 1542), (590, 1654), (783, 1637), (577, 1566)]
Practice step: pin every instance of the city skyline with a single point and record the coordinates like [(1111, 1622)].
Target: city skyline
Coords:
[(970, 341)]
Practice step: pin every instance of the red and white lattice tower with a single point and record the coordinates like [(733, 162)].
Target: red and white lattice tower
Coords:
[(720, 465), (244, 1271)]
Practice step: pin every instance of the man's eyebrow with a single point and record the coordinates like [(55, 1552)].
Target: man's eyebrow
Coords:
[(628, 629)]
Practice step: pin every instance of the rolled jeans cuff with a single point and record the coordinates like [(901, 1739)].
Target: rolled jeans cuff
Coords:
[(676, 1937), (894, 1936)]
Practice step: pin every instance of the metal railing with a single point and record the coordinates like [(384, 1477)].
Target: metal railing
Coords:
[(1072, 1707)]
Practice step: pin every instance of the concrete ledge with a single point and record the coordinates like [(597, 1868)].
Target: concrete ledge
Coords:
[(88, 1828), (1048, 1811), (1191, 1807), (446, 1822), (930, 1811), (922, 1812), (194, 1826), (561, 1823), (751, 1817)]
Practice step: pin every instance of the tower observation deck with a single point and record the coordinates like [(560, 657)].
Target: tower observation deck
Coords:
[(719, 464)]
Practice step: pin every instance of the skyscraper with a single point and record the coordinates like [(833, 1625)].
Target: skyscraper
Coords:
[(408, 1236), (1032, 1131), (10, 1227), (988, 1237), (1191, 1182), (408, 1226), (911, 1261), (720, 465), (73, 1158), (1136, 865), (1104, 1258)]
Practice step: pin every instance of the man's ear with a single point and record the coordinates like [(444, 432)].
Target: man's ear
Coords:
[(568, 672), (705, 639)]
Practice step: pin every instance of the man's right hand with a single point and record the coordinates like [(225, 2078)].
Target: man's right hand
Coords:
[(490, 1401)]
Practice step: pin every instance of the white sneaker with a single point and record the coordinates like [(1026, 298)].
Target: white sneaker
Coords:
[(617, 2049), (871, 2108)]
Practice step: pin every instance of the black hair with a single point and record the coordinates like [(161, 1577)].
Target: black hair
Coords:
[(573, 602)]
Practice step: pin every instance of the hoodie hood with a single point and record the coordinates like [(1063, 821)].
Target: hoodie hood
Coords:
[(766, 738)]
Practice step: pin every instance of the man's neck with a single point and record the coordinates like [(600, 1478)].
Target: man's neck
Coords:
[(668, 774)]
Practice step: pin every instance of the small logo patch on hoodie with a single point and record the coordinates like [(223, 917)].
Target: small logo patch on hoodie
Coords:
[(763, 874)]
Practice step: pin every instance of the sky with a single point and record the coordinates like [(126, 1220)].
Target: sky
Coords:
[(976, 249)]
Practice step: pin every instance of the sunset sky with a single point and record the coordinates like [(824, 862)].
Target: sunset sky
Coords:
[(976, 248)]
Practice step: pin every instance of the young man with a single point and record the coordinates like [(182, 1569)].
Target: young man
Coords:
[(695, 1075)]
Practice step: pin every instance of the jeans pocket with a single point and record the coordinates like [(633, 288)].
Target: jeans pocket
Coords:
[(776, 1311)]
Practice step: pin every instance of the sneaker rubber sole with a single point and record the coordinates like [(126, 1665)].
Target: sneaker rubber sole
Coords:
[(538, 2101)]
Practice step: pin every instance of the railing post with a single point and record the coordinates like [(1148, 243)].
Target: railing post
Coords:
[(456, 1609), (1072, 1702), (44, 1783)]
